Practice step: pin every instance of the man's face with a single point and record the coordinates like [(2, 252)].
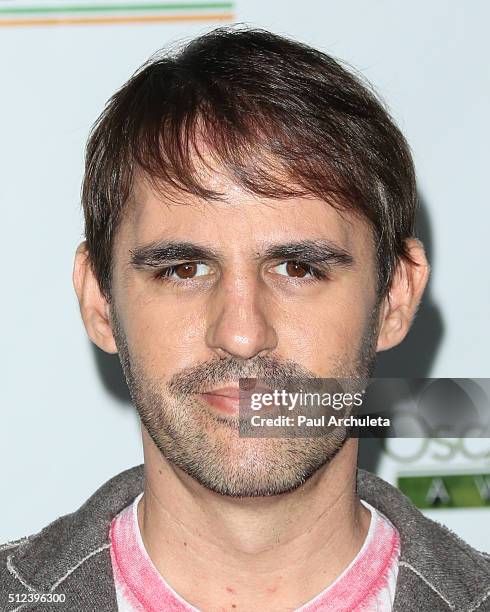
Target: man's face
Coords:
[(206, 293)]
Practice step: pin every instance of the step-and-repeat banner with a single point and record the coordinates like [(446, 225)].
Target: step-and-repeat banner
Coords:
[(60, 61), (58, 12)]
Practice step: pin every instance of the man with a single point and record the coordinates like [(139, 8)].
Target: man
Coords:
[(249, 211)]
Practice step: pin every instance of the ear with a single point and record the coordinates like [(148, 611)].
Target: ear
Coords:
[(407, 287), (94, 307)]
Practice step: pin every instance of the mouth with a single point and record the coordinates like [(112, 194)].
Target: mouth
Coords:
[(225, 399), (231, 400)]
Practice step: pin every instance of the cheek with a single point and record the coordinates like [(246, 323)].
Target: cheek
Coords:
[(164, 337), (332, 329)]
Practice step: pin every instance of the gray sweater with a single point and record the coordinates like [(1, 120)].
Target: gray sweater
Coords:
[(437, 572)]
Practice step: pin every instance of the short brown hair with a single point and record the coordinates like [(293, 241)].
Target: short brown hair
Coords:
[(282, 118)]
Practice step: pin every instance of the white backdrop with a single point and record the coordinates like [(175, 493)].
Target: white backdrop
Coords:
[(63, 433)]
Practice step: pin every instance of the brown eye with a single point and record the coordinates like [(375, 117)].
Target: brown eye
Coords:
[(297, 269), (186, 270)]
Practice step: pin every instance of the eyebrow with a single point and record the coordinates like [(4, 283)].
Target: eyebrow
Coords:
[(157, 254), (311, 252), (308, 251)]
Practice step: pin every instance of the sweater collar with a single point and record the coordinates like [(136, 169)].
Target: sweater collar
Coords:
[(430, 553)]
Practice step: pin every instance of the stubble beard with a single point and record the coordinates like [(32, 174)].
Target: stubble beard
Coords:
[(209, 448)]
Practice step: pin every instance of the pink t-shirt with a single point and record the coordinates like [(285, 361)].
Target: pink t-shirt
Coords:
[(367, 584)]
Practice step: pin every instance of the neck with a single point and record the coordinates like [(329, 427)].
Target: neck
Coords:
[(274, 552)]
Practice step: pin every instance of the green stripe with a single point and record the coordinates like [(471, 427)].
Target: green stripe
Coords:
[(447, 491), (166, 6)]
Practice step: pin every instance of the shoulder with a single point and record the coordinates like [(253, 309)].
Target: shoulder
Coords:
[(7, 552), (70, 556), (10, 584), (434, 561)]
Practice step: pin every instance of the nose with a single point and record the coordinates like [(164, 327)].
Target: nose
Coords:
[(238, 321)]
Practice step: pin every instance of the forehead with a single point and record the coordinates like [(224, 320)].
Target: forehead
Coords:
[(239, 220)]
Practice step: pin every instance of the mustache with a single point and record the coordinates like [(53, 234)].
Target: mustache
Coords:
[(206, 376)]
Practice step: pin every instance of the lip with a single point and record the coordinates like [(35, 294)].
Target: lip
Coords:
[(227, 399), (231, 392)]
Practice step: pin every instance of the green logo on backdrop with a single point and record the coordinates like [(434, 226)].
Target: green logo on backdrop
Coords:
[(447, 491)]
